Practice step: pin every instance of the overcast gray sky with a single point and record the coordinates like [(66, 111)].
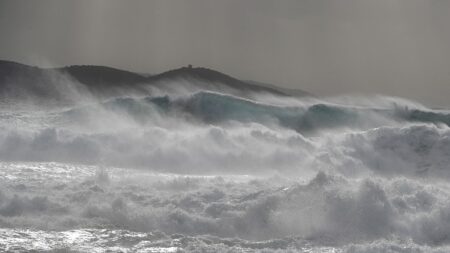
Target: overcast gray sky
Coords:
[(393, 47)]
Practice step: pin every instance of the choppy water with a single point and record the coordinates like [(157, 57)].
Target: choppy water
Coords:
[(207, 171)]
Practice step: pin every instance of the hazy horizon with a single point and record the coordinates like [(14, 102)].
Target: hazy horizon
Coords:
[(397, 48)]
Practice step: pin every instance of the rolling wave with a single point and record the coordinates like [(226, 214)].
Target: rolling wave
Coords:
[(216, 108)]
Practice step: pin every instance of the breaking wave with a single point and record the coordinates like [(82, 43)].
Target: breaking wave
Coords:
[(210, 107)]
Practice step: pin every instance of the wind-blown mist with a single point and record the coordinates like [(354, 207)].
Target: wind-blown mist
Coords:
[(193, 165)]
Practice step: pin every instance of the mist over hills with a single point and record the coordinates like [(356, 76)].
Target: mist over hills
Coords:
[(197, 154), (19, 80)]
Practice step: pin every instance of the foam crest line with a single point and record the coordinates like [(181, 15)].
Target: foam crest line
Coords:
[(216, 108)]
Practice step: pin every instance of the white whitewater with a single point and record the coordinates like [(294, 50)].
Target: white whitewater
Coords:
[(186, 171)]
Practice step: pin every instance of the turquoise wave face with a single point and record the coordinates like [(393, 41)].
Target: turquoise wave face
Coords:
[(216, 108)]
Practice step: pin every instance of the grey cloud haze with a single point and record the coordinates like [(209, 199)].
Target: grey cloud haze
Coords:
[(393, 47)]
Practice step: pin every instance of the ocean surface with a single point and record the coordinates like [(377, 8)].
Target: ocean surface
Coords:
[(201, 170)]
